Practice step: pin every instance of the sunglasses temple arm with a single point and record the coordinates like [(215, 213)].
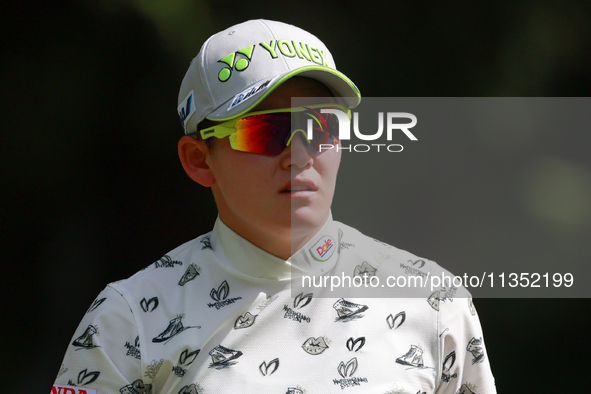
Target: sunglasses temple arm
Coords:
[(217, 131)]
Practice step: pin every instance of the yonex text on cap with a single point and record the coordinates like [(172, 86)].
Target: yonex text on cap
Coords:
[(238, 67)]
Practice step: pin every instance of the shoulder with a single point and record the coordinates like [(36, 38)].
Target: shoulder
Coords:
[(418, 275), (179, 266), (354, 242)]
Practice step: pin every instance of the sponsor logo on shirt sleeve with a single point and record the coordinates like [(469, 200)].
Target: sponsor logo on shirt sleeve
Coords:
[(61, 389)]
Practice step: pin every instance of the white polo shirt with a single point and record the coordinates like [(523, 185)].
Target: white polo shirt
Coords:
[(217, 315)]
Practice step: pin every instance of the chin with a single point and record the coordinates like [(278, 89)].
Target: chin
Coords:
[(306, 221)]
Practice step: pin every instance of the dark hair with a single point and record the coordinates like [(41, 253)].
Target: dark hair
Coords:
[(210, 142)]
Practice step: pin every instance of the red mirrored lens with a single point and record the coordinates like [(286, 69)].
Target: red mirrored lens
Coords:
[(264, 134), (267, 134)]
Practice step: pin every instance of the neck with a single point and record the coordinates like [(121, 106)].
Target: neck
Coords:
[(280, 242)]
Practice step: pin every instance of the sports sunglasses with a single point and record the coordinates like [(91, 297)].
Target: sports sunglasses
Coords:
[(269, 132)]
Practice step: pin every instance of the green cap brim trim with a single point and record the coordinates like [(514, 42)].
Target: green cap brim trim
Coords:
[(285, 78)]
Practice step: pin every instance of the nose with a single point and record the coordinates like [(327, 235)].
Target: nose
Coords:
[(299, 153)]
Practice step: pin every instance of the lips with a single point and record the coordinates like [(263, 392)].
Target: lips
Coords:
[(315, 346), (295, 186), (365, 268), (245, 321), (298, 188)]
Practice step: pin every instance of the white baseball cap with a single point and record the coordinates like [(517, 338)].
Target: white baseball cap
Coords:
[(238, 67)]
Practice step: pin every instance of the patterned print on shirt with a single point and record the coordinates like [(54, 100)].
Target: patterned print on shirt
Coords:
[(175, 327), (471, 307), (185, 359), (342, 244), (348, 311), (434, 300), (85, 377), (222, 357), (395, 390), (294, 390), (95, 304), (62, 370), (302, 300), (381, 258), (295, 316), (266, 302), (245, 321), (345, 245), (347, 371), (134, 350), (299, 302), (467, 388), (166, 262), (191, 273), (355, 344), (149, 305), (206, 241), (365, 272), (269, 369), (153, 368), (137, 387), (413, 358), (191, 389), (412, 268), (475, 347), (448, 363), (85, 341), (220, 296), (393, 320), (419, 263), (449, 293), (315, 346)]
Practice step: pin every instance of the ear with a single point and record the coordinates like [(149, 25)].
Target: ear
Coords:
[(194, 155)]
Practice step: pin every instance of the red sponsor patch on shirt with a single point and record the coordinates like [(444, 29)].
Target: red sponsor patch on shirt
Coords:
[(61, 389), (323, 249)]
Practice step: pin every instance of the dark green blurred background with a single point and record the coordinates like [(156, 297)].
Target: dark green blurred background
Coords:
[(92, 189)]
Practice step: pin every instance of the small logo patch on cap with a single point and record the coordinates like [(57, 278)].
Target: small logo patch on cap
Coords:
[(249, 93), (61, 389), (323, 249), (187, 109)]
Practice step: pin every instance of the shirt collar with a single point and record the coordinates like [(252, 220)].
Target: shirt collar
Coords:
[(237, 255)]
